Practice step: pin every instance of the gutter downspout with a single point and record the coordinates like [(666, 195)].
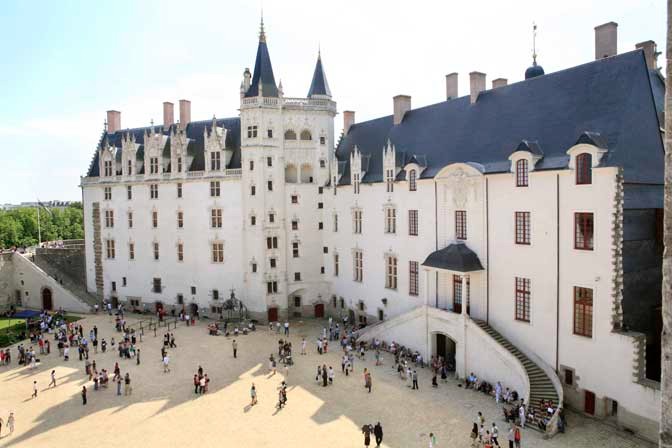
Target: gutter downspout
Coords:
[(487, 256), (557, 273), (436, 244)]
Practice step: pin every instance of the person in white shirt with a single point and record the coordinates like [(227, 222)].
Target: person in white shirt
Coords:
[(303, 346), (166, 361)]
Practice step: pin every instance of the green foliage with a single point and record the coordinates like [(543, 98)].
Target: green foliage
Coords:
[(18, 227)]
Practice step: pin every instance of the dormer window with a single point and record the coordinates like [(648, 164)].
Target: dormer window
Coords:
[(154, 165), (305, 135), (179, 164), (389, 180), (355, 183), (129, 167), (584, 169), (522, 173), (215, 161), (290, 135), (412, 180), (108, 167)]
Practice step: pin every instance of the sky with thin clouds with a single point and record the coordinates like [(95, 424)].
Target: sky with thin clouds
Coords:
[(65, 63)]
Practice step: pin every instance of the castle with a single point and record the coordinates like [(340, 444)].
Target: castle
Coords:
[(515, 230)]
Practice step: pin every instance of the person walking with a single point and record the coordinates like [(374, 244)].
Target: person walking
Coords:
[(367, 379), (366, 429), (234, 344), (127, 384), (83, 395), (517, 436), (10, 422), (53, 379), (495, 434), (34, 389), (166, 362), (325, 375), (137, 357), (253, 395), (286, 328), (303, 346), (119, 385), (415, 379), (498, 393), (474, 435), (378, 432), (331, 375), (432, 440)]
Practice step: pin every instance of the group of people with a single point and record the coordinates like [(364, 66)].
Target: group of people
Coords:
[(217, 329), (325, 375), (376, 430), (201, 382)]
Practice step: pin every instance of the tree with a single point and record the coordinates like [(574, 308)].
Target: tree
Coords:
[(18, 227), (665, 439)]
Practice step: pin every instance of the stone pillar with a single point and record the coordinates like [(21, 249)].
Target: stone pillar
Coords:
[(464, 294)]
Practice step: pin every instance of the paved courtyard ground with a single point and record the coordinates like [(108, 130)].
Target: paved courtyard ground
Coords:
[(164, 411)]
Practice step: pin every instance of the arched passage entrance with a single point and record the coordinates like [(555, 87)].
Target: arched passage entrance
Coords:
[(47, 300), (445, 347)]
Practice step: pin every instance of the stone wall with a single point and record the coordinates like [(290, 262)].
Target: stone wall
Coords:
[(69, 263), (7, 288)]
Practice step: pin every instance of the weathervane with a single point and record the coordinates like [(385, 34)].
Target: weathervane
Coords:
[(534, 43)]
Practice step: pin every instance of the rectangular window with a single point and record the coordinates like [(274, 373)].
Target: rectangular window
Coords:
[(130, 220), (129, 167), (583, 231), (131, 251), (295, 250), (336, 265), (108, 167), (522, 173), (254, 268), (323, 140), (269, 161), (114, 286), (389, 180), (156, 285), (180, 299), (123, 281), (583, 311), (269, 133), (179, 164), (253, 220), (253, 190), (215, 161), (297, 276), (179, 190), (323, 163), (460, 224), (335, 222), (155, 219), (193, 290), (271, 217), (273, 263), (355, 183), (218, 252), (214, 188), (295, 224), (180, 220), (523, 299), (413, 222), (269, 185), (295, 199), (251, 165), (180, 252), (320, 225), (569, 377), (109, 219), (251, 131), (215, 294), (272, 242), (216, 218), (391, 272), (154, 165), (358, 266), (110, 249), (108, 193), (154, 191), (390, 220), (271, 287), (320, 205), (156, 251), (129, 192), (413, 275), (584, 169), (357, 221), (522, 227)]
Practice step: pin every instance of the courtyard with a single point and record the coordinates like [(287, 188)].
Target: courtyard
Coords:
[(164, 411)]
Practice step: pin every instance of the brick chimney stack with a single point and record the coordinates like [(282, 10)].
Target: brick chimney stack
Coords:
[(348, 120), (185, 113), (113, 121), (499, 82), (650, 53), (402, 104), (606, 40), (451, 86), (476, 85), (168, 114)]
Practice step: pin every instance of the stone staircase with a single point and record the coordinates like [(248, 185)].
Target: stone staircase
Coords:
[(78, 290), (541, 386)]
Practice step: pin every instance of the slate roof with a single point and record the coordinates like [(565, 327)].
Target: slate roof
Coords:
[(456, 257), (195, 145), (263, 72), (319, 84), (614, 97)]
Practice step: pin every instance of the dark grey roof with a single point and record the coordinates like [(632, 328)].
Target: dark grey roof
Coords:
[(531, 147), (456, 257), (319, 85), (263, 72), (195, 145), (611, 96), (534, 70)]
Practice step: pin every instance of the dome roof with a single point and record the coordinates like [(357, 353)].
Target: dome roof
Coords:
[(534, 71)]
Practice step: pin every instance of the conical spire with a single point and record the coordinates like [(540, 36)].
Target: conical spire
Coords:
[(319, 85), (263, 81)]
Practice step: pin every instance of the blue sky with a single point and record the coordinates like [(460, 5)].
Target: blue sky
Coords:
[(65, 63)]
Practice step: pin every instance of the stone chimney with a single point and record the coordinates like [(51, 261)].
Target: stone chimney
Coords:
[(451, 86), (185, 113), (650, 53), (606, 39), (168, 114), (402, 104), (499, 82), (476, 85), (113, 121), (348, 120)]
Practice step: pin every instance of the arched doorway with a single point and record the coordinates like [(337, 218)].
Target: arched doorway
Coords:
[(444, 346), (193, 309), (158, 306), (319, 310), (273, 314), (47, 300)]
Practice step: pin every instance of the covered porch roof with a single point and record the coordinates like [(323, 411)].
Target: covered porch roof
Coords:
[(455, 257)]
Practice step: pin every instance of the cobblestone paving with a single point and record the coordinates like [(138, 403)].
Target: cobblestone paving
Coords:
[(164, 411)]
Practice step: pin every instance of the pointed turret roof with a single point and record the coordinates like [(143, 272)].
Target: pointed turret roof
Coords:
[(319, 85), (263, 70)]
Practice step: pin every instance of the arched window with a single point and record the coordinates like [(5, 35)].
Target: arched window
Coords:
[(412, 180), (290, 174), (522, 173), (306, 174), (305, 135), (584, 169), (290, 135)]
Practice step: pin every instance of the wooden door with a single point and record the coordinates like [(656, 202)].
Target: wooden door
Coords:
[(273, 314), (589, 402), (47, 302), (319, 310)]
